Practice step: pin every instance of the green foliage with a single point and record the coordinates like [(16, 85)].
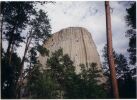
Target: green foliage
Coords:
[(90, 76), (83, 85), (131, 15), (127, 87), (62, 69), (132, 49), (105, 62), (121, 65), (40, 27), (60, 64), (33, 53), (9, 76), (41, 84), (38, 33), (131, 33), (15, 16), (43, 51), (126, 84), (59, 79)]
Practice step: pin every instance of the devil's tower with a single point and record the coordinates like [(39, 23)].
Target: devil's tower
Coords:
[(77, 42)]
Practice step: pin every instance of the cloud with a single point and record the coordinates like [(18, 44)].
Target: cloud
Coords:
[(91, 15)]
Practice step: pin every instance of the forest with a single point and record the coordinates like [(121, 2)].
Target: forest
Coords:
[(24, 77)]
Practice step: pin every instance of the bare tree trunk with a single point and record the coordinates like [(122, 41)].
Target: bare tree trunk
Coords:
[(20, 80), (110, 51), (1, 41), (1, 30), (10, 40), (11, 52)]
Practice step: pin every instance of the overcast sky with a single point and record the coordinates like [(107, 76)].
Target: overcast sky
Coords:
[(91, 15)]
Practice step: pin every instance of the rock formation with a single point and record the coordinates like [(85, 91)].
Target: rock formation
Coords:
[(77, 42)]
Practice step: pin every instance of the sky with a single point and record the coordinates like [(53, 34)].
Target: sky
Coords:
[(91, 15)]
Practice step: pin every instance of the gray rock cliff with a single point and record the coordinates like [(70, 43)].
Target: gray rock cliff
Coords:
[(77, 42)]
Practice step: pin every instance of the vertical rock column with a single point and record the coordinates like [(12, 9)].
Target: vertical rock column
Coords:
[(77, 42)]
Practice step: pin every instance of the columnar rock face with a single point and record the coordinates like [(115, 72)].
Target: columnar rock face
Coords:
[(77, 42)]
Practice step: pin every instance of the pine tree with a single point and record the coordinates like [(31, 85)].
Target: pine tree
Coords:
[(90, 75), (14, 15), (124, 76), (41, 83), (131, 33), (72, 85), (9, 75), (39, 32)]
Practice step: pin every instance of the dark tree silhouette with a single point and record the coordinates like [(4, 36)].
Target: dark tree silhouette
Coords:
[(126, 84), (131, 33), (15, 15)]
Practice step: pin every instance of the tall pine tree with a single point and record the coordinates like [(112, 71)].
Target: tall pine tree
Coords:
[(131, 33)]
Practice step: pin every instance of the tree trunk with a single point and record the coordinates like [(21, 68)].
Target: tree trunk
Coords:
[(20, 80), (10, 54), (110, 51), (1, 33), (10, 40)]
